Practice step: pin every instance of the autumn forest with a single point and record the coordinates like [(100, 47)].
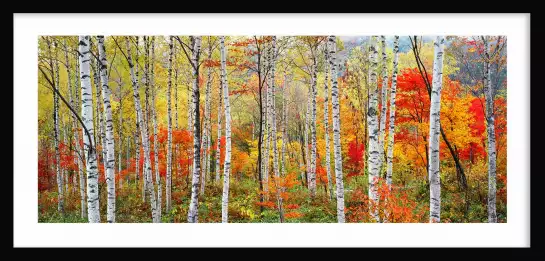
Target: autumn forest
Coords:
[(272, 129)]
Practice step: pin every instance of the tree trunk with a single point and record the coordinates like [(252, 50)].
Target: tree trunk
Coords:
[(336, 129), (373, 161), (155, 143), (87, 117), (391, 131), (218, 144), (54, 65), (312, 183), (326, 123), (110, 153), (143, 131), (169, 138), (193, 207), (206, 130), (491, 135), (279, 188), (384, 99), (435, 109), (227, 164)]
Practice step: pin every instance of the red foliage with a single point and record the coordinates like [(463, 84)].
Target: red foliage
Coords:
[(355, 161)]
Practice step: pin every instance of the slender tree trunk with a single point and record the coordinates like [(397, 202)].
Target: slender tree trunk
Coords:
[(284, 126), (55, 73), (110, 153), (490, 133), (206, 129), (326, 124), (169, 138), (336, 129), (147, 164), (227, 163), (373, 163), (313, 89), (155, 142), (194, 205), (279, 188), (435, 109), (384, 99), (87, 117), (218, 144), (307, 153), (391, 129)]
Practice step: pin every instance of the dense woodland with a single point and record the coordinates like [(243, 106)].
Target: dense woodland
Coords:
[(272, 129)]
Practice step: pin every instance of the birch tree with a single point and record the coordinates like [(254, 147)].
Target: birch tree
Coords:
[(314, 93), (273, 132), (391, 129), (384, 99), (55, 72), (206, 129), (193, 207), (326, 123), (490, 132), (336, 129), (373, 161), (155, 145), (87, 117), (435, 109), (227, 163), (169, 138), (218, 143), (110, 153), (143, 131)]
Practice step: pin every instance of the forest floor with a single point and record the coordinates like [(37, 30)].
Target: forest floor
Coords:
[(408, 204)]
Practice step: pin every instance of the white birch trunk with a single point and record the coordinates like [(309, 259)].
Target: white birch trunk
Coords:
[(169, 138), (284, 127), (218, 144), (155, 143), (391, 131), (58, 172), (336, 129), (193, 213), (206, 129), (307, 153), (143, 131), (491, 135), (326, 124), (273, 131), (312, 184), (384, 99), (87, 117), (435, 109), (110, 153), (373, 161), (227, 163)]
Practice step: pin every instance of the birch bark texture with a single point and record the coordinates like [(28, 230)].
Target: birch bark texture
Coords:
[(193, 214), (169, 135), (435, 123), (326, 123), (336, 129), (373, 160), (93, 213), (384, 99), (110, 153), (227, 163), (490, 133), (273, 132), (391, 129), (314, 93), (55, 71)]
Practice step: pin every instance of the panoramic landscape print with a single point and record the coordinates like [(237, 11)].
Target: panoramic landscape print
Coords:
[(272, 129)]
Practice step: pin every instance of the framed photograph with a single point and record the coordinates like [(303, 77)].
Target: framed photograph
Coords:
[(238, 130)]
